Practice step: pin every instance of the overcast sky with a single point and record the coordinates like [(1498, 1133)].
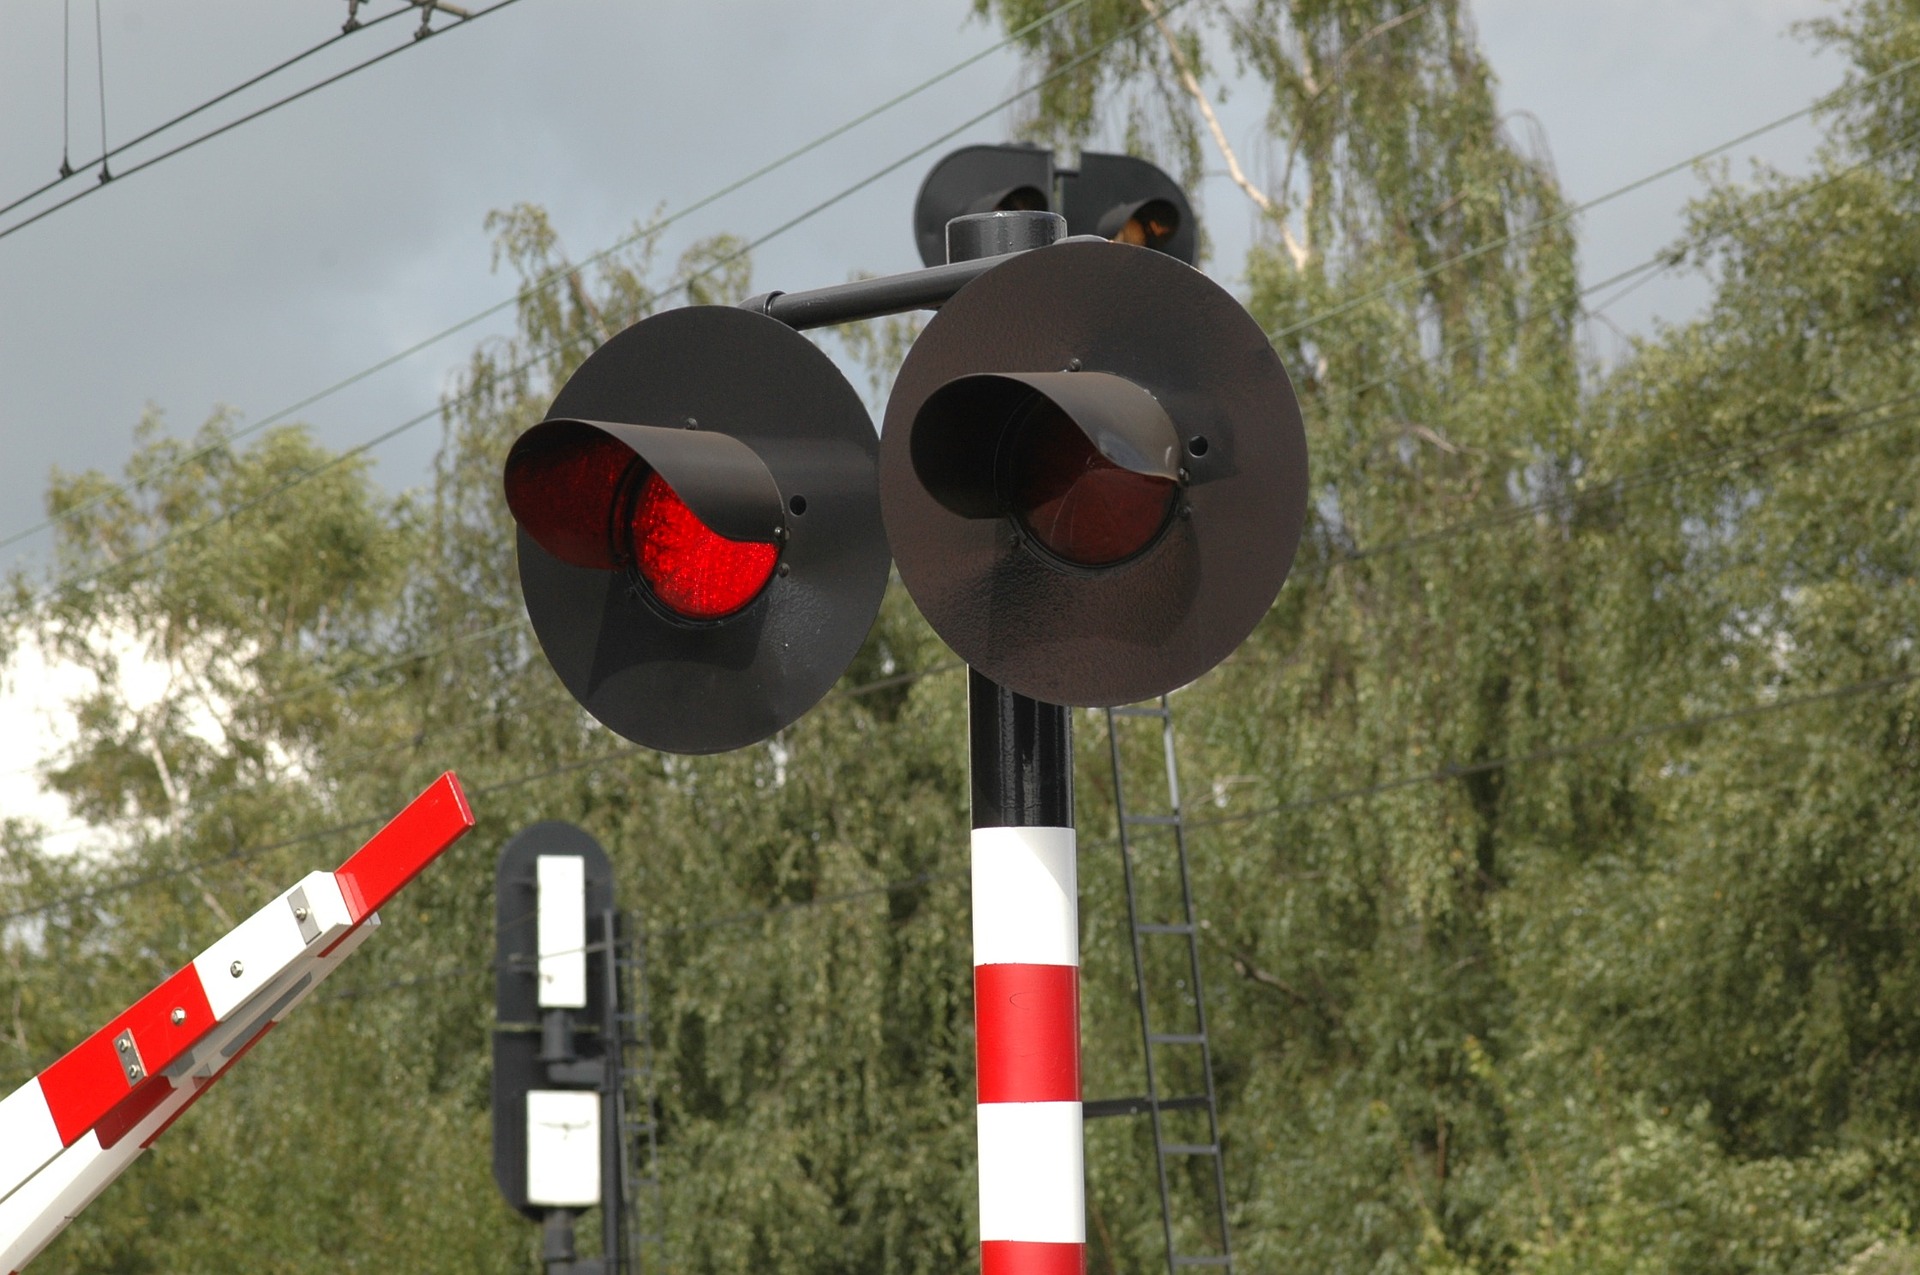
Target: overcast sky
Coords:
[(297, 250)]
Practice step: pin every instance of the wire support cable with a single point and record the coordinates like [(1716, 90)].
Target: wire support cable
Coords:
[(68, 170), (539, 285), (228, 127)]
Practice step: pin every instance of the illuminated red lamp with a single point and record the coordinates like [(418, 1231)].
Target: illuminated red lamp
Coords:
[(692, 570), (590, 501)]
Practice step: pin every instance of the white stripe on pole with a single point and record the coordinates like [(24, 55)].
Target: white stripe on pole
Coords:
[(1025, 897), (1032, 1172)]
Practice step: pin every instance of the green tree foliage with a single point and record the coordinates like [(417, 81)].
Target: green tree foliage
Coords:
[(1552, 835)]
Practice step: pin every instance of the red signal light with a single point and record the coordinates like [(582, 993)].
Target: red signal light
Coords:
[(589, 500), (1080, 506), (692, 570)]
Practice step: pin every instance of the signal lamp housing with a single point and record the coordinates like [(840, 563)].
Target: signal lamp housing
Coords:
[(1129, 201), (1093, 474), (700, 545)]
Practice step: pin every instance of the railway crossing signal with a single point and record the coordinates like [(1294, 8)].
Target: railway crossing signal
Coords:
[(558, 1105), (1093, 478)]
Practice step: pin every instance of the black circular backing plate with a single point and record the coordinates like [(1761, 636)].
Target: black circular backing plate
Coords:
[(706, 688), (1159, 621)]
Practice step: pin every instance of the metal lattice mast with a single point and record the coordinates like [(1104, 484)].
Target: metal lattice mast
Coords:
[(1166, 1044), (641, 1204)]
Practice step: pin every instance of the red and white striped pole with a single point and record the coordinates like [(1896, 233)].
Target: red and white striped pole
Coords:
[(1026, 984)]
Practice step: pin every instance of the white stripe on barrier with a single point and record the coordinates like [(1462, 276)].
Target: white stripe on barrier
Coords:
[(1025, 897), (247, 957), (32, 1217), (1032, 1172), (28, 1138)]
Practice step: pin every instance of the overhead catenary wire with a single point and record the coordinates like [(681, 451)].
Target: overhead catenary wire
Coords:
[(552, 277), (81, 578), (727, 259), (229, 126), (845, 193), (67, 170)]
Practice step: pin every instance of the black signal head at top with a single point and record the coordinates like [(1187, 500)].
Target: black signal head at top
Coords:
[(1093, 474), (1117, 197), (1128, 200), (700, 542), (977, 179)]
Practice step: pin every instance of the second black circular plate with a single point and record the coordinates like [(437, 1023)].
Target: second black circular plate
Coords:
[(1158, 621)]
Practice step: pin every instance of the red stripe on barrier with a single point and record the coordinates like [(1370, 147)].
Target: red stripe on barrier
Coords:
[(119, 1122), (1025, 1257), (91, 1079), (1028, 1037), (433, 821)]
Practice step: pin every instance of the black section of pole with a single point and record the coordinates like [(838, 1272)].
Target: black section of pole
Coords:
[(556, 1241), (1021, 758), (897, 293), (616, 1221), (1020, 750)]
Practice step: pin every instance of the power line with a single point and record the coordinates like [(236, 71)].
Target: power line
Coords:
[(1685, 467), (1460, 770), (1567, 214), (248, 118), (552, 277), (720, 263), (1821, 430), (712, 267), (1646, 270), (606, 757), (67, 170)]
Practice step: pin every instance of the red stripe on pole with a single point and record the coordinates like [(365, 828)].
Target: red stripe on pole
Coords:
[(433, 821), (1028, 1032), (1024, 1257), (91, 1079)]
